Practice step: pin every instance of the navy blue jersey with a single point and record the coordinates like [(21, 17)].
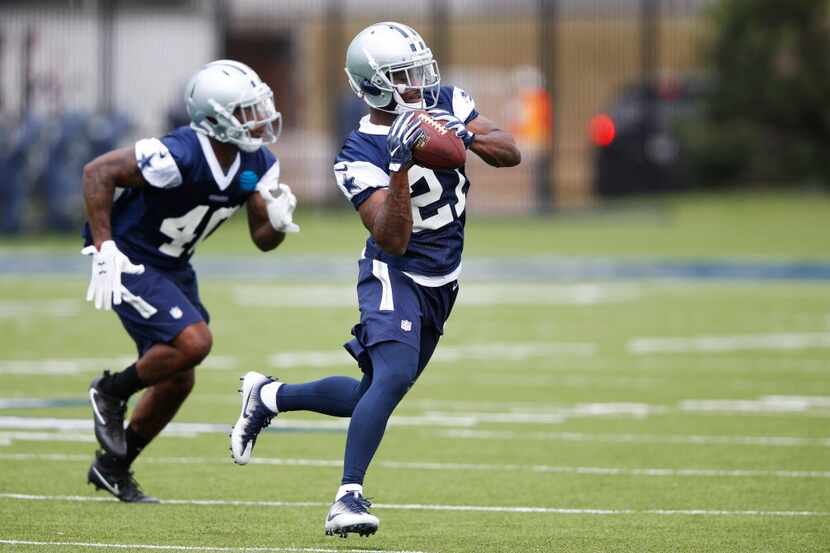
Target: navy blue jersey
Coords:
[(438, 197), (188, 196)]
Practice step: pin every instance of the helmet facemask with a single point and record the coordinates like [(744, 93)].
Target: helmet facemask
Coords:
[(408, 86), (414, 87), (248, 124)]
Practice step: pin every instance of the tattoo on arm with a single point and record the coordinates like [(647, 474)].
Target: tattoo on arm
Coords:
[(102, 175), (387, 214)]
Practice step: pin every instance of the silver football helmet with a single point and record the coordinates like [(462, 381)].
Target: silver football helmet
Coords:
[(389, 65), (227, 100)]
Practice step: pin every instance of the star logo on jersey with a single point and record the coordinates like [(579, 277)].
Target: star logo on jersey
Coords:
[(348, 182), (176, 312), (146, 161), (349, 185)]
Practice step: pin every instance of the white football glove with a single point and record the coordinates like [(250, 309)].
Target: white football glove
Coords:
[(107, 265), (280, 203)]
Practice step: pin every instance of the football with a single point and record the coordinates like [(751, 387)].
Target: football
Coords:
[(438, 148)]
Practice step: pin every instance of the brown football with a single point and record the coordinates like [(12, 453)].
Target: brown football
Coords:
[(438, 148)]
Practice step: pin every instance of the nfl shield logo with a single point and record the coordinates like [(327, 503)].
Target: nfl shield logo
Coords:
[(406, 326), (176, 312)]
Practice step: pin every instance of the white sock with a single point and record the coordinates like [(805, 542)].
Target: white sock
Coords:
[(268, 395), (348, 488)]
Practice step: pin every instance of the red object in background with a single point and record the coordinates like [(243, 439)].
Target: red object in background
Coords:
[(602, 130)]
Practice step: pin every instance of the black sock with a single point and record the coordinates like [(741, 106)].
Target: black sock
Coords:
[(110, 461), (122, 384), (135, 444)]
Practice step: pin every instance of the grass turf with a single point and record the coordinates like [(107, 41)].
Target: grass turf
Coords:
[(520, 425), (763, 224)]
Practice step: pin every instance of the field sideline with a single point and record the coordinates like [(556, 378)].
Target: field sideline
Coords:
[(610, 415)]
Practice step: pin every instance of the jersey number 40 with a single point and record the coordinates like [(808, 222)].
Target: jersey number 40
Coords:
[(184, 230)]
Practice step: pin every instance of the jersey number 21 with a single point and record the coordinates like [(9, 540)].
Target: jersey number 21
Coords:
[(429, 212)]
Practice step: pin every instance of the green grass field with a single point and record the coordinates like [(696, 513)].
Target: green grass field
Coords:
[(723, 225), (603, 416)]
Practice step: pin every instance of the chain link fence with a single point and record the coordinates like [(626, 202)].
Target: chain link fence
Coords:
[(80, 77)]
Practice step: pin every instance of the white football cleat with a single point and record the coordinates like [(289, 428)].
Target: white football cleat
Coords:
[(252, 419), (350, 514)]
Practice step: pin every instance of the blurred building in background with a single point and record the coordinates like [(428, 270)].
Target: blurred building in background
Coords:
[(80, 77)]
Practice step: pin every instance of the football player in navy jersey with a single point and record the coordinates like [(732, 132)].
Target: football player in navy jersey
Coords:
[(148, 207), (411, 263)]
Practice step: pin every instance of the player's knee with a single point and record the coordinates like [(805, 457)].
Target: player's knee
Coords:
[(195, 343), (182, 383), (396, 383), (395, 366)]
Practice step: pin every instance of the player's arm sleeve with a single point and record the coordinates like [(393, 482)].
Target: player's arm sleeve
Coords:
[(161, 162), (357, 180), (463, 105)]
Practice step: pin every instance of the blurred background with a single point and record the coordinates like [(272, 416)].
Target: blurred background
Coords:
[(607, 98), (643, 323)]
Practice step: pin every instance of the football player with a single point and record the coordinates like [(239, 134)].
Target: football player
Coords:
[(148, 207), (409, 269)]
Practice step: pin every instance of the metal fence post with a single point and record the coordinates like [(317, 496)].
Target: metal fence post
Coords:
[(545, 180), (333, 64), (106, 41), (441, 31), (27, 72), (649, 44), (221, 24)]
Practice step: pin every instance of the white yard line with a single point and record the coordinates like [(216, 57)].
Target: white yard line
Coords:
[(464, 416), (711, 344), (62, 366), (450, 420), (528, 412), (6, 438), (92, 365), (815, 405), (334, 357), (448, 467), (438, 507), (174, 428), (445, 354), (470, 295), (724, 364), (159, 547), (502, 435), (29, 309)]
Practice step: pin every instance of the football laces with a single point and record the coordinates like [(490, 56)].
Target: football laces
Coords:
[(441, 129)]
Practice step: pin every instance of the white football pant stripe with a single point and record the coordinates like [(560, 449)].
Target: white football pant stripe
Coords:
[(381, 272), (138, 303)]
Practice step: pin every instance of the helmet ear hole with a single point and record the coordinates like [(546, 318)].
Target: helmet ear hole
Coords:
[(367, 87), (212, 120)]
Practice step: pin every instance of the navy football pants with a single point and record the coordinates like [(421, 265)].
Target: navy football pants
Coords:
[(369, 402)]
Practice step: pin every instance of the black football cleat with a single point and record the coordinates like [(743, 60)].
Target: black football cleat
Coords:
[(117, 481), (108, 414)]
